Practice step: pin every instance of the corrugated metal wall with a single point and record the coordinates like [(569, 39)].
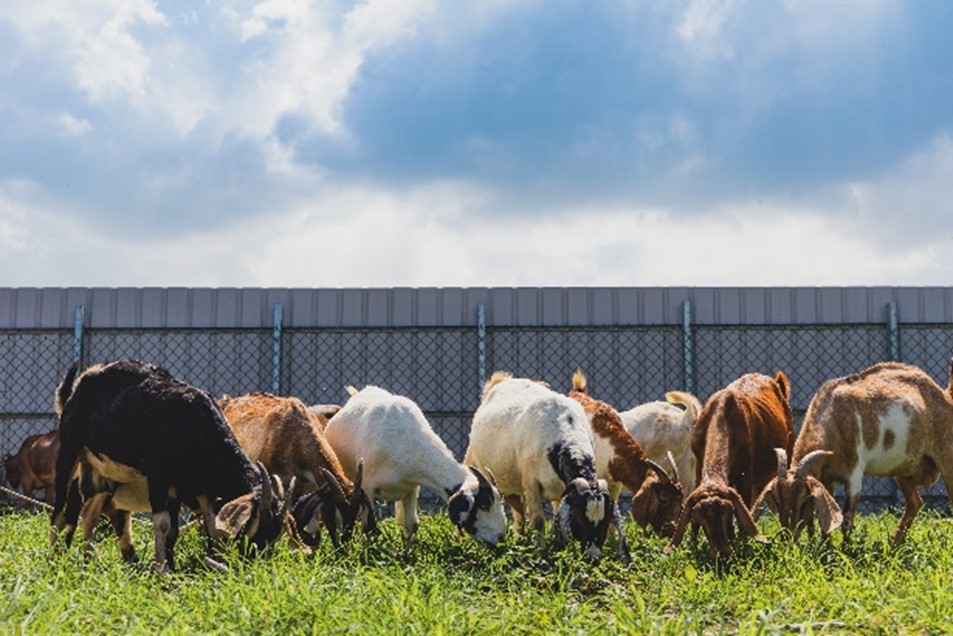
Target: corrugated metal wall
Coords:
[(429, 344), (41, 308)]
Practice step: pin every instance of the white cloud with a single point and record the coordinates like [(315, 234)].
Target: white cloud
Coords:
[(73, 126)]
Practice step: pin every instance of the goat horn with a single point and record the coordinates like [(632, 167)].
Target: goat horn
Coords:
[(335, 485), (782, 462), (805, 465), (658, 469), (266, 491), (291, 492), (671, 460), (490, 476)]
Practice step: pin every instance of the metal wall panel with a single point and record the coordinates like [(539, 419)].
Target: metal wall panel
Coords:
[(41, 308)]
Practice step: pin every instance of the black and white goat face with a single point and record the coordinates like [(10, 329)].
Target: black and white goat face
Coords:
[(586, 510), (479, 511)]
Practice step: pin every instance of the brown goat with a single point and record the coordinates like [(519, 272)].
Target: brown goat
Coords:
[(656, 495), (733, 440), (34, 465), (287, 437), (890, 420)]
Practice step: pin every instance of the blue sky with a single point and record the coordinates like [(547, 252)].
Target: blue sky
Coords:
[(424, 143)]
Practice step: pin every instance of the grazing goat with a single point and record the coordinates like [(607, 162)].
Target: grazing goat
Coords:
[(323, 413), (733, 440), (890, 420), (401, 453), (539, 445), (656, 495), (661, 428), (34, 465), (285, 436), (149, 441)]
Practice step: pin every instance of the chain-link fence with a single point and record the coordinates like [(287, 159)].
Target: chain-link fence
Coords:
[(443, 369)]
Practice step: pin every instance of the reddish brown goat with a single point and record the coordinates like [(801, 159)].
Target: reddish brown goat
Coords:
[(733, 440), (34, 465), (288, 438), (656, 495)]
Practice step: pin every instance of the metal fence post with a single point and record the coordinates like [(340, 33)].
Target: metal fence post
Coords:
[(481, 344), (688, 347), (893, 332), (276, 350), (79, 317)]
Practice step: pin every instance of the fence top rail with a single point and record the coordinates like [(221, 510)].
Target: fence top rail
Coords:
[(182, 307)]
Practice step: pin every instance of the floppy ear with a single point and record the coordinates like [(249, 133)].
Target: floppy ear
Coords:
[(769, 495), (234, 516), (458, 507), (743, 515), (828, 512), (687, 510)]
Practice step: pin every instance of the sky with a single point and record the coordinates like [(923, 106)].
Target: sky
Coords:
[(419, 143)]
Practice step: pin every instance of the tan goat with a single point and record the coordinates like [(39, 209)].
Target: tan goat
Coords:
[(733, 440), (288, 439), (890, 420)]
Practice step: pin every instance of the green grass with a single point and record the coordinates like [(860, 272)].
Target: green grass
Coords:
[(454, 585)]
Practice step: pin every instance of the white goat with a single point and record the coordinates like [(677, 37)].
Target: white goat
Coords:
[(662, 427), (401, 452), (539, 446)]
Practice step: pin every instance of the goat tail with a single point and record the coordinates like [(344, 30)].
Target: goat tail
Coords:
[(692, 404), (65, 390), (579, 381)]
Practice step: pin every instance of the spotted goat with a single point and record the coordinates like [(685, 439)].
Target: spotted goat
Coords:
[(540, 446), (890, 420)]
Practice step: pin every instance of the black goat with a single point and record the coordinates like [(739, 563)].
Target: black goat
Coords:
[(151, 442)]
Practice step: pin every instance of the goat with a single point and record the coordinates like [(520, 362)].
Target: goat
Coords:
[(401, 453), (540, 446), (733, 441), (34, 465), (150, 441), (656, 496), (287, 437), (890, 420), (661, 428), (323, 413)]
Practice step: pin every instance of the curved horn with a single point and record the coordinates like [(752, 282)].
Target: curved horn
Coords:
[(658, 469), (490, 476), (671, 460), (782, 462), (266, 490), (481, 478), (806, 464), (335, 485)]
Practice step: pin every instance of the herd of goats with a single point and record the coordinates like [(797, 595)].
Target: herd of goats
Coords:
[(132, 438)]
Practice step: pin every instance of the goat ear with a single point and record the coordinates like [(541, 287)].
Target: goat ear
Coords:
[(769, 495), (783, 384), (458, 507), (687, 510), (743, 515), (234, 517), (828, 512)]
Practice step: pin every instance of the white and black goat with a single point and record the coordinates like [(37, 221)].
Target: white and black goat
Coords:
[(132, 433), (401, 453), (540, 447)]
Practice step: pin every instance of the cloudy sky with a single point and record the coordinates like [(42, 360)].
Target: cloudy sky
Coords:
[(492, 143)]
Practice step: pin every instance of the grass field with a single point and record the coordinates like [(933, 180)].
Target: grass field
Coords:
[(453, 585)]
